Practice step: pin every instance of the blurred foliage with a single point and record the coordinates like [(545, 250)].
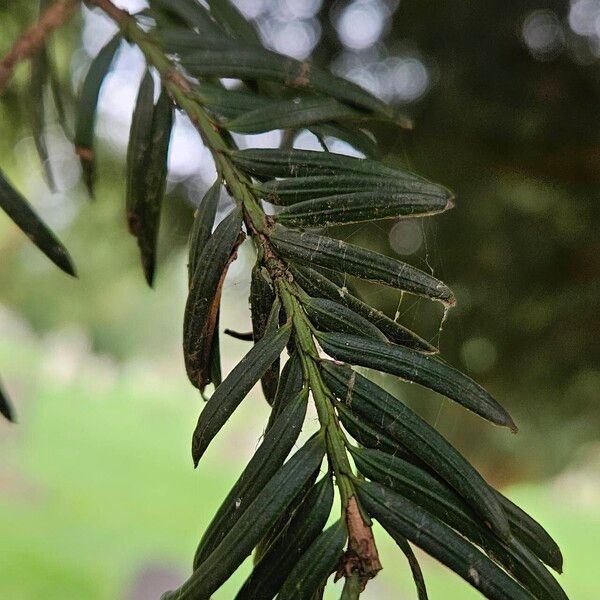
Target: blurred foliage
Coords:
[(513, 134)]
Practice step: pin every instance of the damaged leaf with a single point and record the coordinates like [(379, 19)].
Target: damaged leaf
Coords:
[(204, 297), (87, 106)]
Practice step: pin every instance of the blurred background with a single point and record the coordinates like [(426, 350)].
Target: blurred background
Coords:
[(98, 498)]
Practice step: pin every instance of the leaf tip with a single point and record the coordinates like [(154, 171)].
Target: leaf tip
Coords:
[(149, 274), (61, 258), (196, 454), (8, 414), (68, 267)]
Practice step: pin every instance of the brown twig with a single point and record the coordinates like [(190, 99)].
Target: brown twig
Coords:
[(362, 555), (32, 40)]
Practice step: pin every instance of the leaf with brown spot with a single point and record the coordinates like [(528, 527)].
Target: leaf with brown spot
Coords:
[(258, 63), (204, 297), (262, 300), (87, 106), (153, 182)]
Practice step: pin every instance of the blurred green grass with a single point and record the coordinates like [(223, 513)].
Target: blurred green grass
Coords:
[(96, 484)]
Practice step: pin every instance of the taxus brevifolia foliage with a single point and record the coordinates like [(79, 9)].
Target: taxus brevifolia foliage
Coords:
[(310, 330)]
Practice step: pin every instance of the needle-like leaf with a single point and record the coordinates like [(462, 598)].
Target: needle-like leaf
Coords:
[(24, 217), (359, 138), (40, 70), (275, 447), (366, 206), (267, 163), (371, 436), (289, 385), (294, 190), (235, 387), (286, 550), (401, 517), (139, 142), (257, 63), (228, 104), (315, 566), (302, 111), (146, 221), (262, 299), (272, 500), (190, 12), (87, 106), (204, 219), (415, 567), (381, 410), (532, 534), (427, 371), (232, 21), (328, 315), (204, 297), (431, 494), (319, 285), (310, 248)]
